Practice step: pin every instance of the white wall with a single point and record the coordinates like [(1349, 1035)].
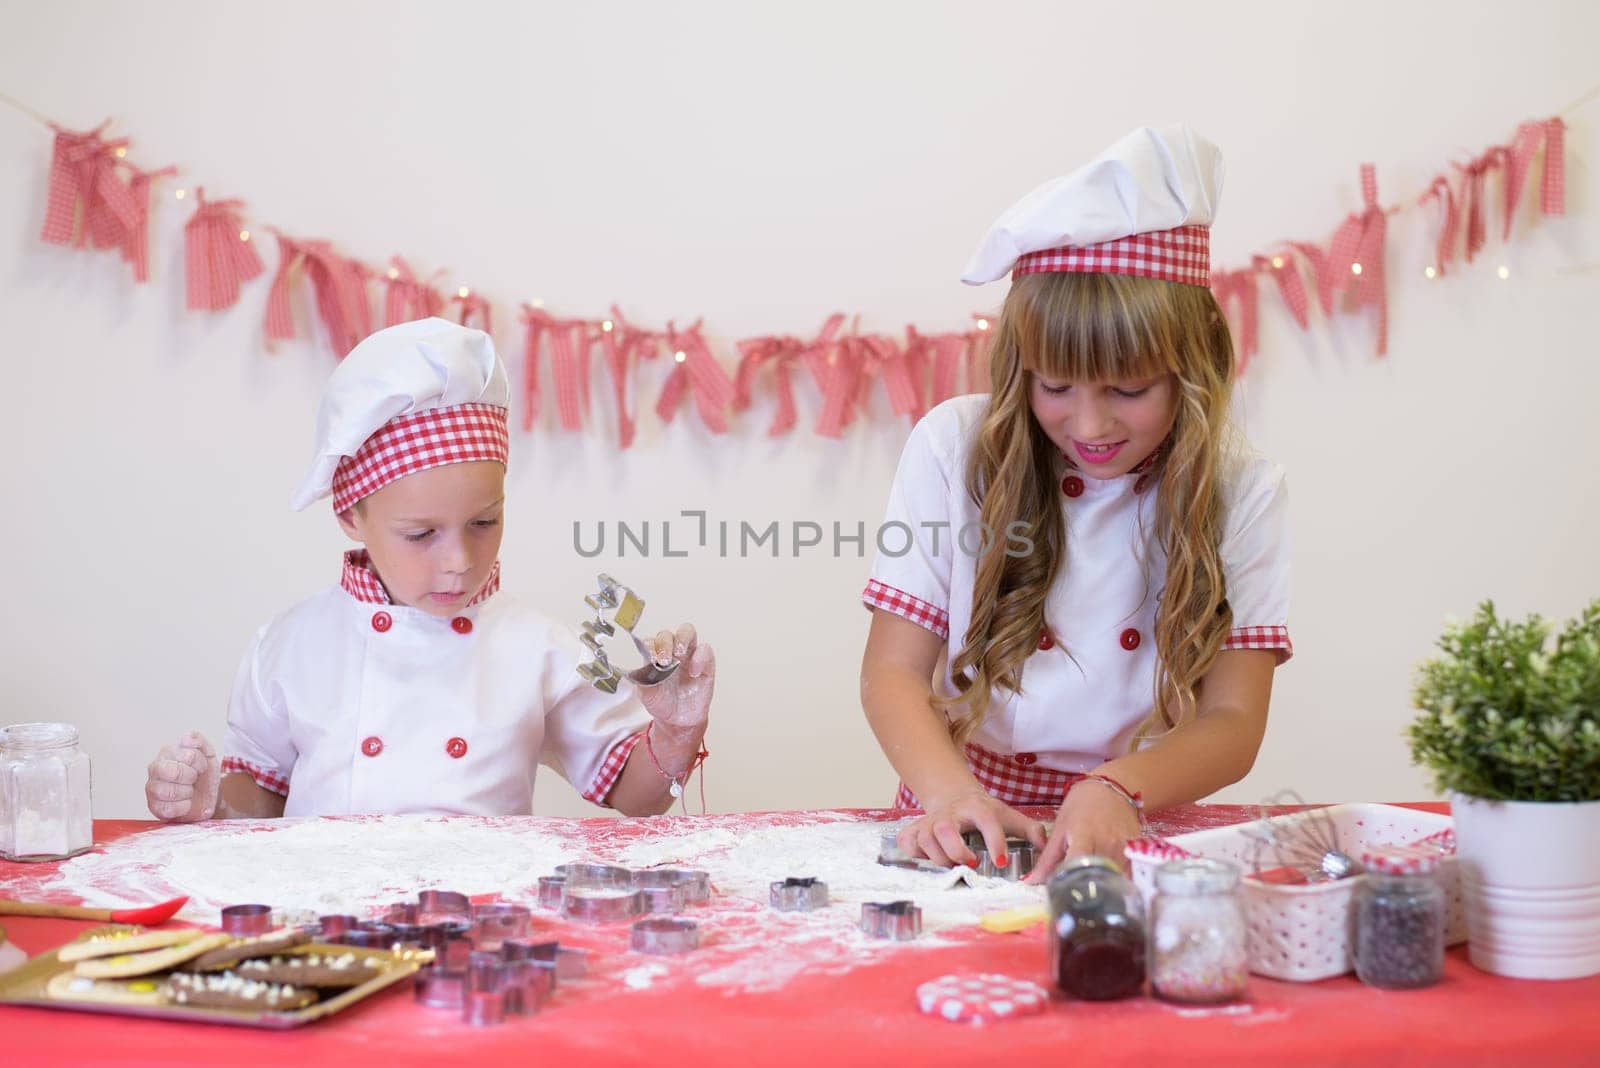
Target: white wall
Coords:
[(764, 165)]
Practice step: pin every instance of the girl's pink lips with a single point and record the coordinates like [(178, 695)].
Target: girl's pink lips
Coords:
[(446, 598), (1097, 457)]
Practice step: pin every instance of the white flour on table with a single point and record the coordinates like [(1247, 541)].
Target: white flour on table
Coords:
[(359, 865)]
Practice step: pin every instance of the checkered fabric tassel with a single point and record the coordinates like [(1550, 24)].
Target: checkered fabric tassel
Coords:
[(1285, 272), (779, 350), (86, 196), (136, 243), (897, 368), (217, 257), (470, 305), (1449, 226), (1238, 290), (698, 374), (622, 345), (405, 298), (337, 287), (1356, 256)]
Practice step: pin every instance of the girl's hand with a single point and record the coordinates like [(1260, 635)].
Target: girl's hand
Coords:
[(1093, 820), (682, 703), (937, 834), (182, 782)]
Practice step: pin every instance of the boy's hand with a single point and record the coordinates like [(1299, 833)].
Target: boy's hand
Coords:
[(183, 780), (682, 703)]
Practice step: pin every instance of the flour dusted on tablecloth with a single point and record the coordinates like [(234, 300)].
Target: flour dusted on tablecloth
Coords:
[(359, 865)]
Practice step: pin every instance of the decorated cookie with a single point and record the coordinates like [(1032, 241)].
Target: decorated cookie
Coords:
[(132, 940), (218, 960), (130, 965), (69, 987), (310, 969), (229, 991)]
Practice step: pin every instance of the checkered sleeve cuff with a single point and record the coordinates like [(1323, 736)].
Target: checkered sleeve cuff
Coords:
[(611, 769), (266, 778), (901, 603), (1270, 638)]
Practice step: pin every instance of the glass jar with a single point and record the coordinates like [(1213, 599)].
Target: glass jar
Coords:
[(1096, 932), (44, 793), (1399, 919), (1199, 944)]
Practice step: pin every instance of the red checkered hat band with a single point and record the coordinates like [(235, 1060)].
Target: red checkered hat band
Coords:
[(1181, 255), (407, 444)]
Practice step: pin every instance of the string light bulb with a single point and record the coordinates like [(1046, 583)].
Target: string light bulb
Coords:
[(1277, 263), (983, 324), (394, 272), (537, 302), (463, 292), (121, 152), (244, 235), (1504, 271), (680, 355), (608, 326), (1355, 268), (1430, 272), (180, 193)]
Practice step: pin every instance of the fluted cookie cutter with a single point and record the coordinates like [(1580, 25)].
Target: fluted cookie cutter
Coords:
[(665, 934), (899, 921), (662, 890), (625, 607), (1020, 856), (799, 895)]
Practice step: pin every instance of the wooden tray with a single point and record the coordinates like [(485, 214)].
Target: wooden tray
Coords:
[(26, 985)]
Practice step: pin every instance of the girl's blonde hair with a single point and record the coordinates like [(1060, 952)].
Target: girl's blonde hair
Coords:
[(1097, 328)]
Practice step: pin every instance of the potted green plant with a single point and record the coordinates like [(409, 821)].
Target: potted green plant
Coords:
[(1510, 727)]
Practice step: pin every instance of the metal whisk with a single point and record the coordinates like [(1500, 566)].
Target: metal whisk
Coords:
[(625, 607), (1305, 841)]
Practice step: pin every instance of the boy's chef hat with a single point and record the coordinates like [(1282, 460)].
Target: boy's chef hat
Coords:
[(410, 397), (1143, 206)]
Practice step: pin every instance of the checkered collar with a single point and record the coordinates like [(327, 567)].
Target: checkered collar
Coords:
[(360, 581)]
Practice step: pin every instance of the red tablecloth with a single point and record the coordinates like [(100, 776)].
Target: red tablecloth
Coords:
[(865, 1016)]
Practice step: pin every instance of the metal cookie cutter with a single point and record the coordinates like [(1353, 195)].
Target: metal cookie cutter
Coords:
[(665, 934), (1019, 857), (601, 905), (551, 887), (563, 962), (625, 607), (799, 895), (892, 856), (662, 890), (595, 876), (900, 921), (247, 920)]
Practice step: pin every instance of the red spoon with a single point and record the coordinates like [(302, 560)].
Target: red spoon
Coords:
[(152, 916)]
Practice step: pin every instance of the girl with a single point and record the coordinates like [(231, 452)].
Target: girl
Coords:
[(1103, 614), (411, 686)]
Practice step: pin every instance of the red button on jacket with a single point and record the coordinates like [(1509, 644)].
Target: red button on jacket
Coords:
[(1045, 641), (456, 747), (372, 746), (382, 621), (461, 625), (1027, 759), (1131, 639), (1072, 486)]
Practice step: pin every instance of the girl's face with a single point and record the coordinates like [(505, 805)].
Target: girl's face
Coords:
[(433, 536), (1106, 428)]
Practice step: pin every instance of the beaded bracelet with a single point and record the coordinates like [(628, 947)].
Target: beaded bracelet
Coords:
[(676, 786)]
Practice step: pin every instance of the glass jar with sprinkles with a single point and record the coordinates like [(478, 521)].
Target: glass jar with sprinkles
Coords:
[(1199, 944), (1399, 919), (44, 793), (1096, 933)]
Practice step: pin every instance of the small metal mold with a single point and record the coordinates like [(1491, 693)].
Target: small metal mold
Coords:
[(665, 934), (493, 923), (436, 906), (668, 890), (441, 989), (453, 954), (410, 936), (696, 884), (364, 939), (1020, 856), (484, 1008), (601, 905), (247, 920), (664, 900), (437, 934), (406, 912), (597, 876), (890, 855), (899, 921), (551, 887), (331, 927), (563, 962), (799, 895)]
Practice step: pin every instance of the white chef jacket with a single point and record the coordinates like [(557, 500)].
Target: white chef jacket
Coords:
[(349, 704), (1090, 684)]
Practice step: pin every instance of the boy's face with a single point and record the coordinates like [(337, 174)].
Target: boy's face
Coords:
[(433, 536)]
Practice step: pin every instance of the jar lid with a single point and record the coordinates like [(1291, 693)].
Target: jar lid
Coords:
[(1093, 861), (1197, 875), (1399, 860), (38, 735)]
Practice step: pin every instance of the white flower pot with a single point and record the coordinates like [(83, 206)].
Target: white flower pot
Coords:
[(1530, 876)]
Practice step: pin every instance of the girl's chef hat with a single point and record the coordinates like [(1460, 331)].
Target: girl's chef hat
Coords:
[(1144, 206), (410, 397)]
